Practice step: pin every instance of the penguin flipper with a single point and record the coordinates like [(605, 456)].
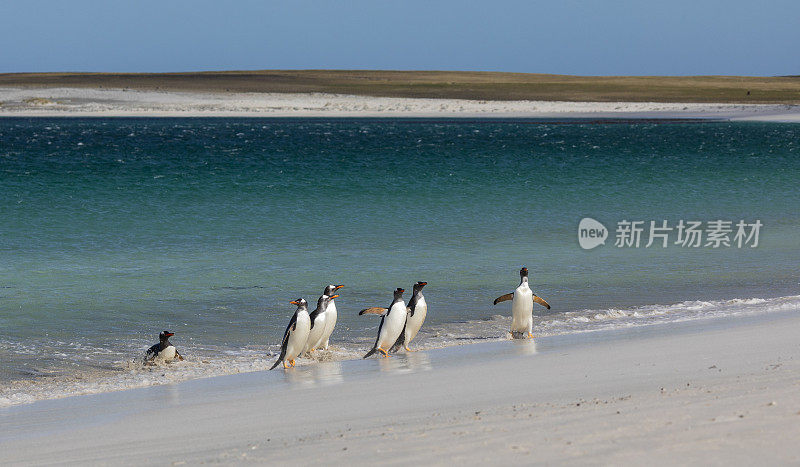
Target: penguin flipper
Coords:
[(412, 305), (375, 310), (151, 353), (278, 361), (314, 314), (400, 341), (375, 347), (285, 342), (503, 298), (540, 301), (282, 355)]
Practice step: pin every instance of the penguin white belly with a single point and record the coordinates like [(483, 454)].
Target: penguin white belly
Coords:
[(317, 333), (392, 325), (414, 323), (168, 354), (330, 323), (522, 310), (298, 337)]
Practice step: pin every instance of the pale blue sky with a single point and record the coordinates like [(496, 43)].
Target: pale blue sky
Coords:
[(570, 37)]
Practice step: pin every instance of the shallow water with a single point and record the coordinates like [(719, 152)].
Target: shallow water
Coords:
[(114, 229)]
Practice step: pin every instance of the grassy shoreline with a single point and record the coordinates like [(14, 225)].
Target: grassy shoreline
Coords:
[(495, 86)]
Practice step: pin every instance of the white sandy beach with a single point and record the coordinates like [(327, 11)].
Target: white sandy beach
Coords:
[(87, 102), (716, 391), (702, 391)]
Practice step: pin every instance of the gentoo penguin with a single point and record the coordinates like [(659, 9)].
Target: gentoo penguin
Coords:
[(392, 323), (522, 306), (417, 310), (318, 319), (330, 319), (164, 350), (296, 335)]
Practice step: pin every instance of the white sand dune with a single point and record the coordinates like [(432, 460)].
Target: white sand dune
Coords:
[(119, 102), (715, 391)]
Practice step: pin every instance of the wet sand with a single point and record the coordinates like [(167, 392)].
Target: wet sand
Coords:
[(710, 391)]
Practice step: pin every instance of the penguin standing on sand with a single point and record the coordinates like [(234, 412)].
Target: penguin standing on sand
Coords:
[(318, 319), (296, 335), (164, 350), (417, 310), (522, 300), (392, 322), (330, 315)]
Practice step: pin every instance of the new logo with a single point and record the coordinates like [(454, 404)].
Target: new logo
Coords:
[(591, 233)]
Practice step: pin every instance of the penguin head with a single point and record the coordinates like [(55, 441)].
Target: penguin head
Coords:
[(419, 285), (165, 335), (330, 289), (398, 293), (523, 272), (324, 299), (300, 302)]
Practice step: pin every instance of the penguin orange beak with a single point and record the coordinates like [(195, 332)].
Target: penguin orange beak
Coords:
[(334, 296), (423, 283), (338, 287), (295, 302), (169, 334)]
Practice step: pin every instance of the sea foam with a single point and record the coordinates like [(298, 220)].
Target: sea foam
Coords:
[(133, 373)]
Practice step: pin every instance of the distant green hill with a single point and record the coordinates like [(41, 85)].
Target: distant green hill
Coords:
[(442, 84)]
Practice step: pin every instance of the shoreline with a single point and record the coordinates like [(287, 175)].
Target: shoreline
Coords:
[(88, 102), (130, 373), (715, 390)]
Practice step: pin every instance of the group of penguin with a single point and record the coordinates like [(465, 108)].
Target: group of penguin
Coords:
[(399, 324)]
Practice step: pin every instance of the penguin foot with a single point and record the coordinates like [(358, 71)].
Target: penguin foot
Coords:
[(530, 335), (291, 362), (385, 353), (409, 350)]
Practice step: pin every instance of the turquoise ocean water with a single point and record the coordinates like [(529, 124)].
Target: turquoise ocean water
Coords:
[(114, 229)]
